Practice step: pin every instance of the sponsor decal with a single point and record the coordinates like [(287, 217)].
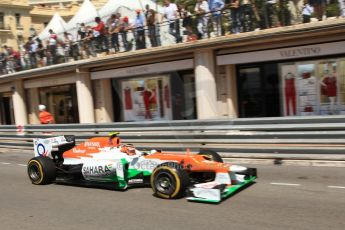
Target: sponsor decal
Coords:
[(98, 170), (135, 181), (41, 150), (78, 150), (92, 144)]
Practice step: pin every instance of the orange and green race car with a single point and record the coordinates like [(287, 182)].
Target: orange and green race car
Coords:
[(105, 161)]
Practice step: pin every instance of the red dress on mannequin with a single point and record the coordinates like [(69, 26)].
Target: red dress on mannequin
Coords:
[(290, 94)]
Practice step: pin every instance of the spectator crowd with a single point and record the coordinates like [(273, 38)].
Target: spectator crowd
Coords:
[(208, 19)]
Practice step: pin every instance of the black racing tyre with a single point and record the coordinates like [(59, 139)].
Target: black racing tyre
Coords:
[(169, 180), (41, 170), (212, 155)]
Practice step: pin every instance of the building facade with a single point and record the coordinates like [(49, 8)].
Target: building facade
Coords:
[(15, 22), (292, 71)]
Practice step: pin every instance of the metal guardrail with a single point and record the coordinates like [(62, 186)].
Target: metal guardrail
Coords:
[(288, 135)]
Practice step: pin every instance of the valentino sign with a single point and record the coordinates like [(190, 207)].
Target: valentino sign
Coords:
[(283, 54), (302, 52)]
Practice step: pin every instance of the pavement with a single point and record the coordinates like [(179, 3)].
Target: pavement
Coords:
[(283, 197)]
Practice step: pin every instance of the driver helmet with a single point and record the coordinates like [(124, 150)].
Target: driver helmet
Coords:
[(129, 149)]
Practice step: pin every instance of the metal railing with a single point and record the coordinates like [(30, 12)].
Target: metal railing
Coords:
[(297, 135)]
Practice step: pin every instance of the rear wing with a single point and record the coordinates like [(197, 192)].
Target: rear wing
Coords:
[(44, 146)]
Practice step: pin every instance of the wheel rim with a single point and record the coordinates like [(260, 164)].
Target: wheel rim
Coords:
[(165, 183), (34, 172)]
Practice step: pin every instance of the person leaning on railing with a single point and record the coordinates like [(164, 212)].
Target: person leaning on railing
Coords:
[(114, 29), (139, 23), (151, 22), (216, 6), (101, 40), (125, 26), (201, 10), (171, 14)]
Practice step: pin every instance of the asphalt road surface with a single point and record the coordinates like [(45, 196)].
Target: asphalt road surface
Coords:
[(284, 197)]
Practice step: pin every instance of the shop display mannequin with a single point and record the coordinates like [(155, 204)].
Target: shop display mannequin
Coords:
[(329, 84), (290, 94)]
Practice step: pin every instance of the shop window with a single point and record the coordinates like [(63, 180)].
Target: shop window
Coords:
[(61, 101), (258, 91), (162, 97), (146, 99), (313, 87)]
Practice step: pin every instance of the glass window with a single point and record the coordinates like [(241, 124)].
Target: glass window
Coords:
[(250, 92), (17, 16), (146, 99), (61, 101), (313, 87), (2, 21), (168, 96), (6, 109)]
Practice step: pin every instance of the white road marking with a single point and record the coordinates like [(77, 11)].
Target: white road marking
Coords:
[(22, 165), (342, 187), (5, 163), (285, 184)]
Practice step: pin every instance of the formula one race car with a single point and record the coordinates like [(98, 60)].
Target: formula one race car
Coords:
[(105, 161)]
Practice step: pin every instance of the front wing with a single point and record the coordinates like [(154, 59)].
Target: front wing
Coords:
[(213, 192)]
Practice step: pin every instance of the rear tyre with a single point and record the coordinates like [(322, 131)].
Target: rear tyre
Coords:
[(41, 170), (169, 181), (211, 155)]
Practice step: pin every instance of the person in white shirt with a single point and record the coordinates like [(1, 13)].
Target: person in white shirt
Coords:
[(307, 11), (170, 13), (52, 47), (201, 10), (342, 7)]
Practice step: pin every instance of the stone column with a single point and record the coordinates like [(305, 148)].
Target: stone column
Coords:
[(19, 107), (232, 99), (85, 99), (34, 102), (103, 101), (205, 85)]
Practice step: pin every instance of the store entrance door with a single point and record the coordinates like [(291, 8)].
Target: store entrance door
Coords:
[(258, 91), (7, 116)]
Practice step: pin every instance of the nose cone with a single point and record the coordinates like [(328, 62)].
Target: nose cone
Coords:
[(237, 168)]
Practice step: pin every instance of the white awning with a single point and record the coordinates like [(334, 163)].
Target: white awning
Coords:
[(112, 6), (86, 14), (57, 24)]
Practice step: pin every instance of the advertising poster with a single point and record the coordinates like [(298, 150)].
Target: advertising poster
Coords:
[(145, 99)]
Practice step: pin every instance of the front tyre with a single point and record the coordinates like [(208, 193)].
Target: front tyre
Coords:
[(169, 181), (41, 170), (211, 155)]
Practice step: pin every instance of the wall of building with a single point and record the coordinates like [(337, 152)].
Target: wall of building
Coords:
[(213, 63), (14, 33)]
